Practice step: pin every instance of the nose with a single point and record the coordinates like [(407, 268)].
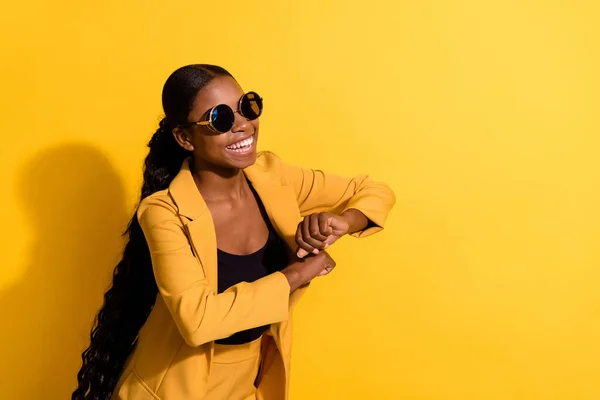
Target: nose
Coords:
[(240, 124)]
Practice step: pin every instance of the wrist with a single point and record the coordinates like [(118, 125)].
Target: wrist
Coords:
[(293, 277), (355, 220)]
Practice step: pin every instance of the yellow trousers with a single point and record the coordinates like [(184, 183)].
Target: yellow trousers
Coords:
[(233, 372)]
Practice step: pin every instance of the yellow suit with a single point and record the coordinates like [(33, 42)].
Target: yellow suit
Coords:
[(172, 359)]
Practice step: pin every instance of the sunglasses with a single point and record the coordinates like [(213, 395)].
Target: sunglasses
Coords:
[(221, 118)]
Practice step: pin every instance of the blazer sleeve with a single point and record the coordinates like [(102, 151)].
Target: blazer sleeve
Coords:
[(200, 314), (318, 191)]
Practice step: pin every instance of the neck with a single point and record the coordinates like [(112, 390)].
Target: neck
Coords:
[(217, 184)]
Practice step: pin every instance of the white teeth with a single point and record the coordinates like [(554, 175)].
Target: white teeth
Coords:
[(240, 146)]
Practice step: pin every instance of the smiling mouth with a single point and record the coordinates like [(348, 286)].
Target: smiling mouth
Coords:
[(242, 146)]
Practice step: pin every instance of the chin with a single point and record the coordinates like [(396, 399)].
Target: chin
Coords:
[(243, 162), (243, 156)]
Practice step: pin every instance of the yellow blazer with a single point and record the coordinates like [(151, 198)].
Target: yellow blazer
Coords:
[(172, 359)]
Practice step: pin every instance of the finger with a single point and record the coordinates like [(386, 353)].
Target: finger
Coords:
[(316, 232), (302, 253), (329, 264), (302, 245), (306, 236), (326, 270), (325, 221)]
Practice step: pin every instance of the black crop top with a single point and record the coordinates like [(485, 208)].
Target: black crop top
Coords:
[(234, 269)]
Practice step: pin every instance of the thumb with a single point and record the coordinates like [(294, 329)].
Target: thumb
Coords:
[(338, 225), (331, 240), (331, 223)]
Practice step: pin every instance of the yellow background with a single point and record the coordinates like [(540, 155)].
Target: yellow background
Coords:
[(482, 115)]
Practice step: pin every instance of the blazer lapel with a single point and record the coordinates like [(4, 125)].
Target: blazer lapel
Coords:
[(197, 221), (202, 236)]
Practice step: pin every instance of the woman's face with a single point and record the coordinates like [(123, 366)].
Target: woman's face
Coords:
[(235, 149)]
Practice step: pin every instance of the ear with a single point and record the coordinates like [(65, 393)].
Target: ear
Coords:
[(184, 138)]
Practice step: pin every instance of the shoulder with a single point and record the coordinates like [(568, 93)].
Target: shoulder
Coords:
[(157, 208), (268, 161), (269, 164)]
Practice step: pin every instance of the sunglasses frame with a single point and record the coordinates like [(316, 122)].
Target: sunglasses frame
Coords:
[(209, 122)]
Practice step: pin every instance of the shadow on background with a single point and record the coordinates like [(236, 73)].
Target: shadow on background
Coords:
[(75, 204)]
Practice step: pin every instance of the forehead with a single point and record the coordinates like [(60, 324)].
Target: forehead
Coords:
[(220, 90)]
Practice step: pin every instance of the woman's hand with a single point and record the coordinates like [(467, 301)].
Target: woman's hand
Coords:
[(320, 230), (305, 270)]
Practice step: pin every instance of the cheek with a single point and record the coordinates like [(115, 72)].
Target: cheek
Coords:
[(210, 145)]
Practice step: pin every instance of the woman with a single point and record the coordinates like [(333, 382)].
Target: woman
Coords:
[(212, 207)]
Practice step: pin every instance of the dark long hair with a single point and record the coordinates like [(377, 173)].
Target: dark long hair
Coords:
[(130, 299)]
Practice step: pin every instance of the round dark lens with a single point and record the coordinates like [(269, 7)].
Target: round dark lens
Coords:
[(251, 105), (222, 118)]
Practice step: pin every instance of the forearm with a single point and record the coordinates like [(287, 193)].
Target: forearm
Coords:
[(203, 316)]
